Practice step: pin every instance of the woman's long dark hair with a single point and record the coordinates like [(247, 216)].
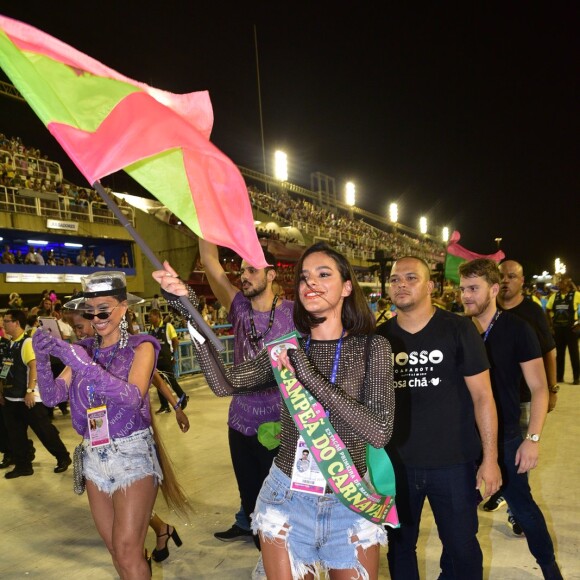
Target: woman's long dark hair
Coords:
[(356, 315)]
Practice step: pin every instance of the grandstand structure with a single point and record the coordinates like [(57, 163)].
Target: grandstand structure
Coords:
[(38, 204), (41, 209)]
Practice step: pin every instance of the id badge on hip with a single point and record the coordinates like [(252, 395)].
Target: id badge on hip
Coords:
[(98, 422)]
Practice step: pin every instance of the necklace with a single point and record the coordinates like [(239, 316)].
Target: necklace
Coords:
[(253, 335)]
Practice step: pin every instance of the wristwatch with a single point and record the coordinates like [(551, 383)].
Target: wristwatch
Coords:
[(554, 388), (533, 437), (30, 390)]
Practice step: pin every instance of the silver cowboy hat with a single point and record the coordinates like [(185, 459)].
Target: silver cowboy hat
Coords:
[(103, 284)]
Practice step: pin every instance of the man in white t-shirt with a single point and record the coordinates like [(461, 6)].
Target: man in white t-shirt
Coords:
[(100, 260)]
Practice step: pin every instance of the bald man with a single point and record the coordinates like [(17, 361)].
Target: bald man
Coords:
[(511, 297)]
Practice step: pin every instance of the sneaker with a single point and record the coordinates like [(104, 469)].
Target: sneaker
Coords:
[(19, 472), (515, 527), (7, 461), (233, 534), (162, 410), (259, 573), (63, 464), (494, 503)]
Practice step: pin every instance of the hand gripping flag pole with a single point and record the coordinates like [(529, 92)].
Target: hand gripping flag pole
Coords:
[(107, 122), (203, 326)]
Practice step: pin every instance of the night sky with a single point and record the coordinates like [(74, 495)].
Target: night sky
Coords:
[(464, 112)]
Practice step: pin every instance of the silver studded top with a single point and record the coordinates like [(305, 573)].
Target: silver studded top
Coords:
[(361, 403)]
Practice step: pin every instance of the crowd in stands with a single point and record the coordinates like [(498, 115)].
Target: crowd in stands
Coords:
[(355, 238), (23, 167), (85, 259)]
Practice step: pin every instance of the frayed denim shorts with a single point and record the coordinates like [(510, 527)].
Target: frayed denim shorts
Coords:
[(319, 532), (122, 462)]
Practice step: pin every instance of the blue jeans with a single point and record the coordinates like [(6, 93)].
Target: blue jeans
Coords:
[(453, 498), (313, 528), (517, 493), (242, 520)]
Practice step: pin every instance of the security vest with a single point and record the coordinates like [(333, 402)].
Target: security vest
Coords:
[(563, 310), (165, 354), (16, 381)]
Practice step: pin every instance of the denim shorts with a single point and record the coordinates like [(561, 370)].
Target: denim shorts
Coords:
[(317, 529), (122, 462)]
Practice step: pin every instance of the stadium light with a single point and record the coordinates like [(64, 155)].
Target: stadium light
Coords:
[(445, 234), (393, 213), (423, 225), (350, 194), (37, 242), (560, 266), (281, 166)]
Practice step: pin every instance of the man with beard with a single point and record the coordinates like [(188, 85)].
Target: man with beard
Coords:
[(443, 397), (511, 298), (257, 316), (512, 349)]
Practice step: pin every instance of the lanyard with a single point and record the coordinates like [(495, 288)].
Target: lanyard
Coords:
[(253, 335), (493, 321), (91, 387), (336, 356)]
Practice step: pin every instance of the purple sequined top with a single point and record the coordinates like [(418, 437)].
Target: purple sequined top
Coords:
[(122, 420), (247, 412)]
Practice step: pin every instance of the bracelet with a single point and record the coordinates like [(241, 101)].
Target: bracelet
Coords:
[(178, 404)]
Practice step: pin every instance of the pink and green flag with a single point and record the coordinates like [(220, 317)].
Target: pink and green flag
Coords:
[(107, 122), (457, 254)]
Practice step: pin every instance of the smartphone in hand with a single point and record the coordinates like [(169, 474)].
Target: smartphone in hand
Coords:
[(49, 324)]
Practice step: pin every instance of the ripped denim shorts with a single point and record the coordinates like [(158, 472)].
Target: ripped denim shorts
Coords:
[(122, 462), (318, 530)]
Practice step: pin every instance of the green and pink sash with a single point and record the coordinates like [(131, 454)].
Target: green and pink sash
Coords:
[(372, 497)]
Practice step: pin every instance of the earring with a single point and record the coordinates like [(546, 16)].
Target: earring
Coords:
[(124, 335), (96, 341)]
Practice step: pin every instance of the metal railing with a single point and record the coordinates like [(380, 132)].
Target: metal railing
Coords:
[(57, 206), (187, 362)]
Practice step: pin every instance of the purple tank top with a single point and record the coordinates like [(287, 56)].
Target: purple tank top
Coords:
[(122, 420), (248, 412)]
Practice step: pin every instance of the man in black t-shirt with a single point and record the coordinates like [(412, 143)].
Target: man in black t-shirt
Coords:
[(443, 396), (512, 349), (511, 297)]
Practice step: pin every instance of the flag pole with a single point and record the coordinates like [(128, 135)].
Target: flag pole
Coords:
[(203, 326)]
